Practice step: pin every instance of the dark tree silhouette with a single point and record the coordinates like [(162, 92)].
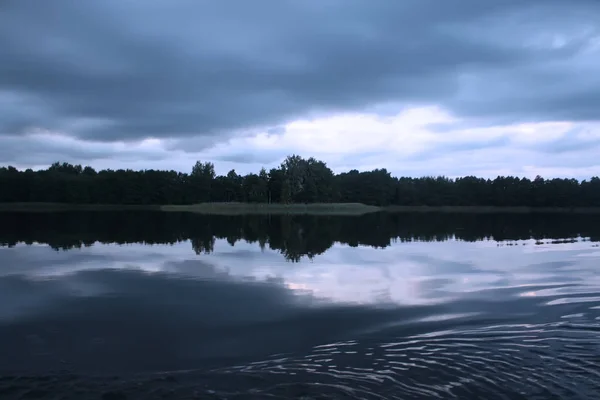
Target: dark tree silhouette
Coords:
[(297, 180)]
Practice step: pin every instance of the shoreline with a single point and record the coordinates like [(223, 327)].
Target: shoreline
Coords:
[(349, 209), (274, 209), (293, 209), (491, 210)]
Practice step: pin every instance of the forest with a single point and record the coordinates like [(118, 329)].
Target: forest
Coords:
[(296, 180)]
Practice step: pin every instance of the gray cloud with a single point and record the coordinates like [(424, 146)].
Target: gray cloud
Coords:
[(262, 158), (117, 70), (574, 141), (40, 150), (444, 148)]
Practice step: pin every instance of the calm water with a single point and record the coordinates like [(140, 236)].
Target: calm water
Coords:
[(178, 306)]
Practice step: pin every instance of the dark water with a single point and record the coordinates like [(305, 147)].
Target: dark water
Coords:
[(179, 306)]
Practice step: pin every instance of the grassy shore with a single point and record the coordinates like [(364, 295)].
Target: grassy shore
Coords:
[(262, 208), (295, 209), (203, 208)]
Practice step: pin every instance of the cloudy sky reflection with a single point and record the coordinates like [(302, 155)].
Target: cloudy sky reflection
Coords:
[(403, 274)]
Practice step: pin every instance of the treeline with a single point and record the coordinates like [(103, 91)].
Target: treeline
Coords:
[(294, 237), (296, 180)]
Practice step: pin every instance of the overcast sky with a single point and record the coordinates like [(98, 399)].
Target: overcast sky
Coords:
[(420, 87)]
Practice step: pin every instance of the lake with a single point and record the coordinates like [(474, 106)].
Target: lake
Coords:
[(156, 305)]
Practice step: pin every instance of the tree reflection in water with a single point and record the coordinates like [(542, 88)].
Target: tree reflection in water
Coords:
[(294, 237)]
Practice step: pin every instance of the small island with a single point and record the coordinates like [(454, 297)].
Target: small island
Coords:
[(297, 186)]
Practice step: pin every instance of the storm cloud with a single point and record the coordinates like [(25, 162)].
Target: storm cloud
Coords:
[(199, 73)]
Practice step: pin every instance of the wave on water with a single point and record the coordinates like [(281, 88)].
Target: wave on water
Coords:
[(503, 361)]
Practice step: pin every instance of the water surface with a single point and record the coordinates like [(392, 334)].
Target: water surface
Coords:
[(160, 305)]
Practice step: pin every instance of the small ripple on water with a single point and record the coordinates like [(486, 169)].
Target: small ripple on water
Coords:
[(551, 360), (476, 358), (528, 361), (503, 361)]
